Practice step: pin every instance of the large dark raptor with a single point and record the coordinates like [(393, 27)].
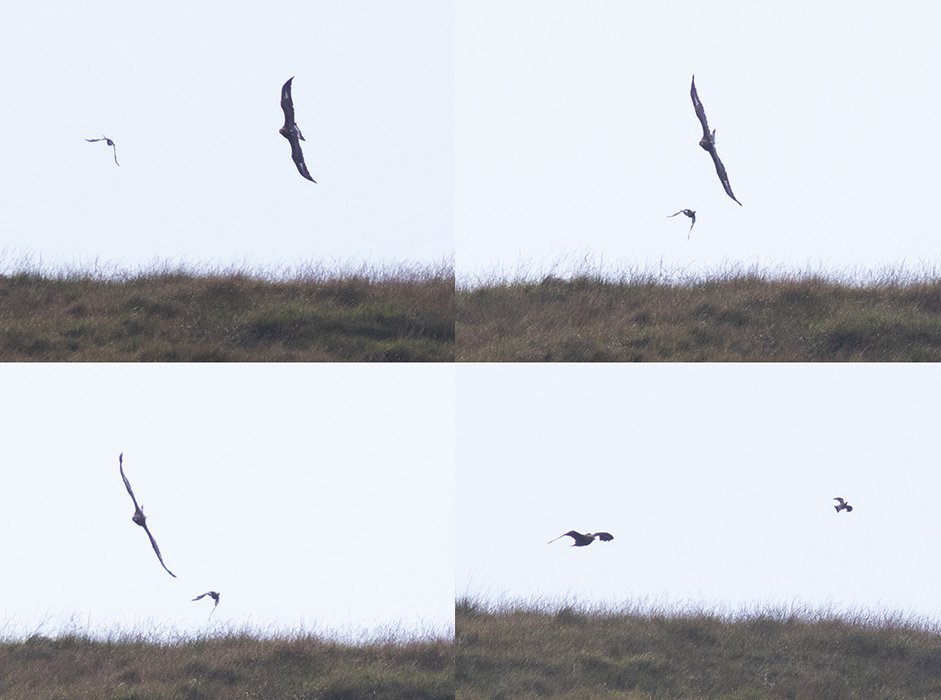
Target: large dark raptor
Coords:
[(139, 518), (708, 141), (586, 539), (291, 132)]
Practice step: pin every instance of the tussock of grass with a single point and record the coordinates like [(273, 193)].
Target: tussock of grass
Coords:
[(235, 665), (519, 651), (737, 317), (165, 315)]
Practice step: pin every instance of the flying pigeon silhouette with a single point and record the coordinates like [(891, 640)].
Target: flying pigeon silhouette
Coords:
[(214, 596), (291, 132), (691, 214), (586, 539), (139, 518), (708, 141), (842, 505), (110, 143)]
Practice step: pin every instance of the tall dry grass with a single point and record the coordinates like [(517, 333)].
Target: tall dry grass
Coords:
[(738, 317), (230, 666), (569, 651), (165, 315)]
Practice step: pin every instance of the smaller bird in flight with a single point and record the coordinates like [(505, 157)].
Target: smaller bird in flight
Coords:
[(291, 132), (139, 518), (110, 143), (842, 505), (586, 539), (691, 214), (214, 596)]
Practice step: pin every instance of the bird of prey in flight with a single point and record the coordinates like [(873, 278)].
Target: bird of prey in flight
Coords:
[(842, 505), (586, 539), (691, 214), (214, 596), (139, 518), (291, 132), (708, 141), (110, 143)]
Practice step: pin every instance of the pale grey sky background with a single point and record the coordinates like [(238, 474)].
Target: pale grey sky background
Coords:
[(316, 497), (716, 482), (191, 95), (576, 136)]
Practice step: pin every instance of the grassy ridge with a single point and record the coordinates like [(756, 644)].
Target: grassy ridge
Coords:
[(226, 667), (566, 653), (229, 317), (735, 318)]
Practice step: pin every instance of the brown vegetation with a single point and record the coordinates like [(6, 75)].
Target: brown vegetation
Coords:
[(564, 652), (235, 666), (734, 318), (171, 316)]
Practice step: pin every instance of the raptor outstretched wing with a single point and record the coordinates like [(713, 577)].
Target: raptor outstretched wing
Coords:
[(723, 176), (297, 155), (700, 111), (153, 543), (127, 484), (287, 103)]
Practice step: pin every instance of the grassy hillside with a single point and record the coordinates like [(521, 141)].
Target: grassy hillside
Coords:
[(566, 653), (171, 316), (226, 667), (733, 318)]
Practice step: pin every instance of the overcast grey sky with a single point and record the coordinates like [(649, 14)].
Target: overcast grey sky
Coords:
[(715, 480), (576, 135), (191, 95), (314, 496)]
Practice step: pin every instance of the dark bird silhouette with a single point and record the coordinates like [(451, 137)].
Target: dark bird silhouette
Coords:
[(110, 143), (586, 539), (214, 596), (691, 214), (139, 518), (842, 505), (708, 141), (291, 132)]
